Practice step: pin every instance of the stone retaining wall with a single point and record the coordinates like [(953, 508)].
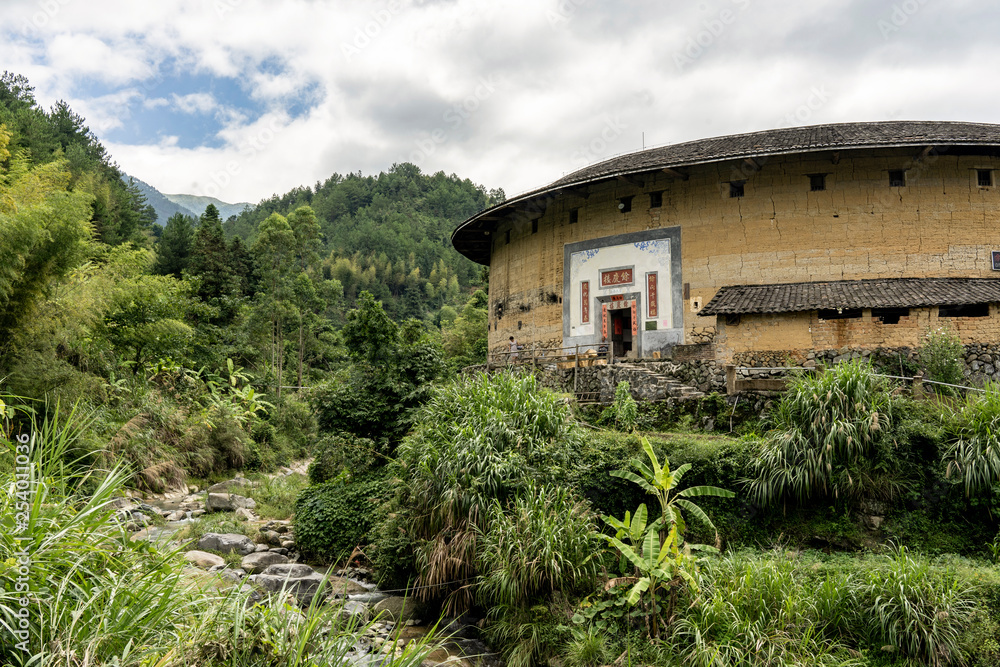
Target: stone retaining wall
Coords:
[(982, 364)]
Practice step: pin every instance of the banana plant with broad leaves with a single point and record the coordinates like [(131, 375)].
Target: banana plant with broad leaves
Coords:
[(662, 568), (663, 565), (660, 481)]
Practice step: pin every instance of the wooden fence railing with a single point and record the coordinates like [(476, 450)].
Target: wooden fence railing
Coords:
[(565, 357)]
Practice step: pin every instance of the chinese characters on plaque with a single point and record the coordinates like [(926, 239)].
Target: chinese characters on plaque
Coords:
[(616, 277), (585, 301), (651, 294), (996, 260)]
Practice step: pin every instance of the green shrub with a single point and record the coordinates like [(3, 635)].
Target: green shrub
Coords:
[(478, 440), (343, 453), (942, 356), (294, 426), (830, 439), (333, 518), (623, 413), (600, 454), (262, 432)]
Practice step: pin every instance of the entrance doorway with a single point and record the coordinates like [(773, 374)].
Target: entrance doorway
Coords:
[(621, 331)]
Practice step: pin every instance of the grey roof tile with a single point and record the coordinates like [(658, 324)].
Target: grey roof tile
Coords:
[(874, 293)]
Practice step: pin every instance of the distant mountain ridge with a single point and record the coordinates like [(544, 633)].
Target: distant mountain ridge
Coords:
[(164, 207), (193, 205), (198, 203)]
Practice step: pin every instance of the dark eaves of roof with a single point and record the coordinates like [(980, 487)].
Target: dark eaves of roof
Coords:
[(872, 293), (472, 237)]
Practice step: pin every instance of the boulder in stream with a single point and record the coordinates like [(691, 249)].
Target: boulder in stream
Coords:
[(259, 561), (203, 559), (227, 543), (228, 502)]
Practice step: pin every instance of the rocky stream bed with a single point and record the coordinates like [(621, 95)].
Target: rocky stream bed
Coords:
[(271, 567)]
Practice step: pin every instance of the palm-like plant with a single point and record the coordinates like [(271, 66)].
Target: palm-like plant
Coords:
[(658, 480), (661, 565)]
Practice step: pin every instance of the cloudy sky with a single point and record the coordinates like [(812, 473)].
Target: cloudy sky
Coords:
[(241, 99)]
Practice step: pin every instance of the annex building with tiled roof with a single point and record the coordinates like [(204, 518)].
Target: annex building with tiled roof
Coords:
[(851, 235)]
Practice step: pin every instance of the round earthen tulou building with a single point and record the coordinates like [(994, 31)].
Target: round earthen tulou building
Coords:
[(753, 247)]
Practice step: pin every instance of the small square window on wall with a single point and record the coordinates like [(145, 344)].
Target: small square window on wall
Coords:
[(984, 177), (625, 204), (736, 188), (897, 178), (574, 216), (840, 314), (889, 315), (534, 226), (507, 237), (817, 182), (655, 199)]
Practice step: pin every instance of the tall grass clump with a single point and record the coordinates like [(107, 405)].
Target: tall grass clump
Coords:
[(791, 609), (830, 439), (539, 545), (922, 614), (542, 542), (974, 455), (477, 441), (90, 590), (761, 611)]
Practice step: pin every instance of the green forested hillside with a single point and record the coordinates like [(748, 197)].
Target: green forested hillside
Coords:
[(192, 349), (388, 234), (119, 211)]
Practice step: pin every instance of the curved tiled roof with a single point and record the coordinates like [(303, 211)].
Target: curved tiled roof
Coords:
[(471, 238), (871, 293)]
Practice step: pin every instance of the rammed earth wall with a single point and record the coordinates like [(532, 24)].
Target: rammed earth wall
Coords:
[(939, 224)]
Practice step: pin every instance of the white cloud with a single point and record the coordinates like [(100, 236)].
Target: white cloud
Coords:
[(195, 103), (403, 79)]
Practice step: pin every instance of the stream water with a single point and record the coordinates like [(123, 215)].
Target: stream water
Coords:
[(459, 646)]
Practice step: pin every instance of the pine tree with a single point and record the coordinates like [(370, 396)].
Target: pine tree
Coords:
[(174, 250), (211, 263)]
